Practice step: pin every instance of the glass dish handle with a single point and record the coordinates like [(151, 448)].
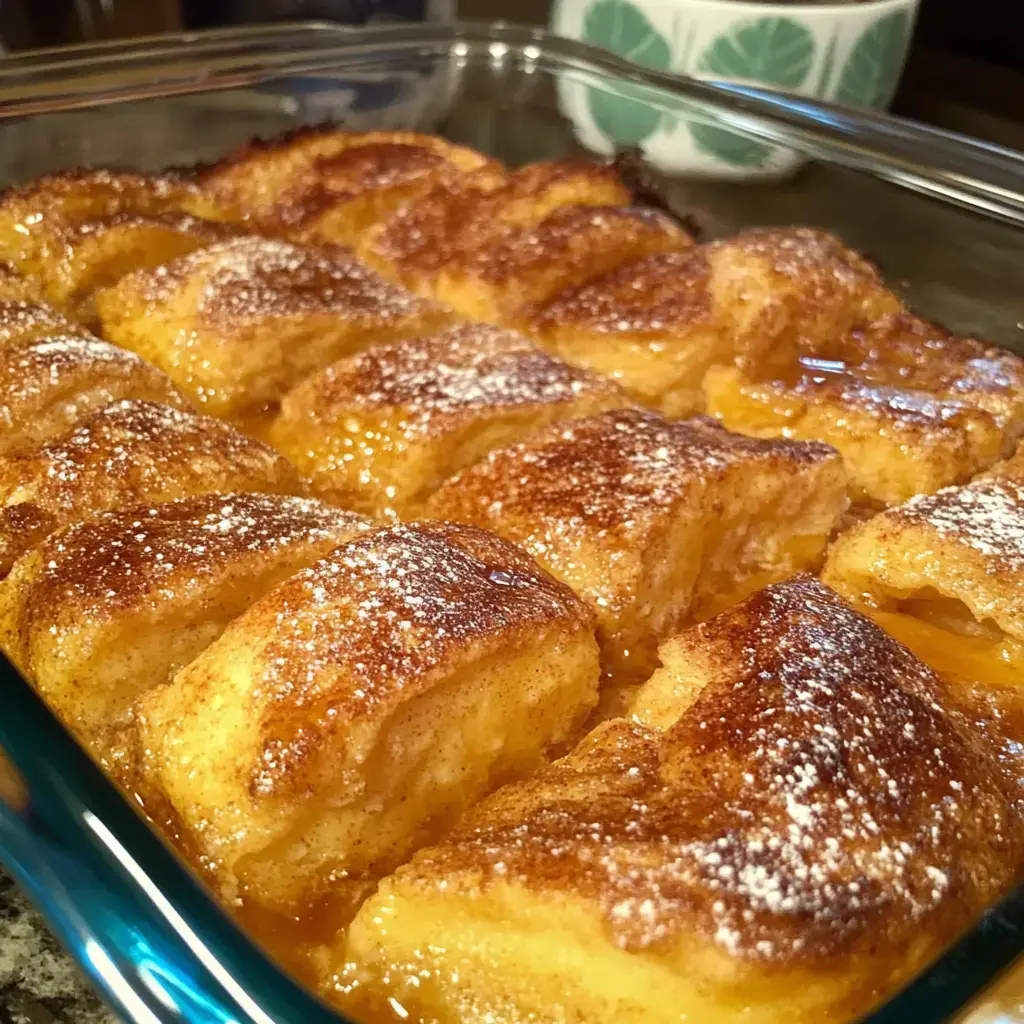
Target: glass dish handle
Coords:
[(141, 926)]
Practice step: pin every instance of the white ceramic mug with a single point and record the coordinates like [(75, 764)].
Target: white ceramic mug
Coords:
[(848, 53)]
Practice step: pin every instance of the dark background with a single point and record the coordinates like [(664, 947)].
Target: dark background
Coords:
[(966, 68)]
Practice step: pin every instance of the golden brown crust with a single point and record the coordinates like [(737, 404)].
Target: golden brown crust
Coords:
[(322, 183), (128, 452), (813, 802), (28, 321), (30, 214), (965, 543), (451, 221), (613, 473), (49, 385), (146, 554), (662, 321), (525, 266), (96, 253), (334, 683), (238, 323), (16, 288), (636, 512), (911, 407), (107, 608), (384, 428)]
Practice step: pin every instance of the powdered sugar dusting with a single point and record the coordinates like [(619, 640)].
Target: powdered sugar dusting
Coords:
[(814, 800), (150, 555), (465, 370), (986, 516), (366, 626), (250, 278)]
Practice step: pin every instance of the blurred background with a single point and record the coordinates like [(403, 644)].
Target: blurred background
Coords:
[(966, 68)]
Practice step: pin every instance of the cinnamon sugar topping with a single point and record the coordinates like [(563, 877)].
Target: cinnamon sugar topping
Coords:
[(814, 799)]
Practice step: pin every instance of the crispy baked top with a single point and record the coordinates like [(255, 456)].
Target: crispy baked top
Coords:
[(555, 241), (46, 364), (27, 321), (120, 559), (650, 296), (129, 447), (434, 379), (254, 278), (453, 220), (610, 474), (290, 180), (371, 625), (815, 800), (73, 196)]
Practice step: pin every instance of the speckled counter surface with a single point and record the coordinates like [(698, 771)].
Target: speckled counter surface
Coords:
[(39, 984)]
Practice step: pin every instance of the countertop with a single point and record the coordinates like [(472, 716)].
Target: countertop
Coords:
[(39, 984)]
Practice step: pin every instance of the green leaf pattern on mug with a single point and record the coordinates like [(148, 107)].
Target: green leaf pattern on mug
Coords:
[(776, 51), (872, 69), (624, 29)]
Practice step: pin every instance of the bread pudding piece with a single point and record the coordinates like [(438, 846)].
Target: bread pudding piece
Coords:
[(653, 523), (354, 711), (127, 453), (527, 265), (22, 321), (50, 385), (16, 288), (659, 323), (379, 432), (944, 573), (790, 829), (238, 324), (330, 185), (78, 230), (451, 222), (911, 407), (109, 608)]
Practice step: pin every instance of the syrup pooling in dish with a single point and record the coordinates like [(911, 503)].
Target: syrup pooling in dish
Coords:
[(911, 407), (780, 814)]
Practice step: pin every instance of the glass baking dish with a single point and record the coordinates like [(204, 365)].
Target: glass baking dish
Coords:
[(942, 214)]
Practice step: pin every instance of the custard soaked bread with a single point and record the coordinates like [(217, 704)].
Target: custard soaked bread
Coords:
[(379, 432), (123, 454), (76, 231), (330, 185), (238, 324), (658, 324), (651, 521), (788, 830), (525, 265), (944, 573), (106, 609), (16, 288), (911, 407), (50, 385), (22, 321), (360, 706), (444, 227)]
